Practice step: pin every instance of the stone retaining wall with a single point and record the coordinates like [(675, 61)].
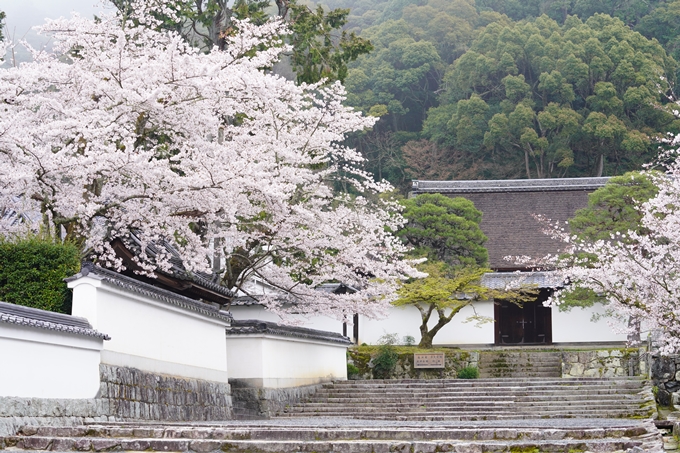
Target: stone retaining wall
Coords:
[(454, 361), (604, 363), (124, 394), (256, 403), (135, 394), (17, 412), (666, 380)]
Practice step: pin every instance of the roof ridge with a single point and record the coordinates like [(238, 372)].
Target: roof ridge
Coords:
[(509, 185), (92, 270), (43, 319)]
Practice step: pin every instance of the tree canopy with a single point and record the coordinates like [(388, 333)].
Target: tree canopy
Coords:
[(636, 272), (446, 231), (320, 48), (576, 99), (128, 133)]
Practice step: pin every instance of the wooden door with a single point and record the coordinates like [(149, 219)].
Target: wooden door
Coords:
[(530, 323)]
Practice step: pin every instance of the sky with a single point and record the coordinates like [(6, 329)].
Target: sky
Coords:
[(22, 15)]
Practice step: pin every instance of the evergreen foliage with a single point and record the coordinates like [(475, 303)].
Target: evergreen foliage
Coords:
[(32, 272), (614, 208), (446, 231)]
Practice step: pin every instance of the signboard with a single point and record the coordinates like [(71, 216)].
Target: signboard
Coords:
[(430, 360)]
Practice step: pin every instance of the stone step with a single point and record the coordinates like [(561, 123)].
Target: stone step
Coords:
[(458, 399), (477, 405), (482, 408), (472, 393), (283, 446), (471, 416), (343, 435), (313, 433), (500, 382), (479, 386), (420, 393)]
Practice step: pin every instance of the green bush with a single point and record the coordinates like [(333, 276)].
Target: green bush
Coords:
[(32, 273), (385, 361), (352, 371), (386, 358), (469, 372)]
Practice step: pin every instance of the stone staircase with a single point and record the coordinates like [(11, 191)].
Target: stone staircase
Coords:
[(479, 399), (520, 364), (287, 436)]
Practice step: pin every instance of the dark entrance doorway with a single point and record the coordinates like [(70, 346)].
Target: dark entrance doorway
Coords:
[(530, 323)]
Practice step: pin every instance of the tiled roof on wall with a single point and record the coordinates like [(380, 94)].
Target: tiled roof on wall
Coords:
[(163, 295), (255, 326), (510, 208), (42, 319), (509, 185)]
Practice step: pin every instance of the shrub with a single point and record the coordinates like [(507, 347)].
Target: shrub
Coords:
[(387, 357), (352, 371), (469, 372), (385, 361), (32, 272), (409, 340)]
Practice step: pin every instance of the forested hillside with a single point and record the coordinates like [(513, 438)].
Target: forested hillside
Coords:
[(513, 89)]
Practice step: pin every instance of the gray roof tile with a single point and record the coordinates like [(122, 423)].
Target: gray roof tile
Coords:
[(41, 319), (163, 295)]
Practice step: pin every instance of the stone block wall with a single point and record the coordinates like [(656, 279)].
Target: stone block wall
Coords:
[(17, 412), (666, 380), (257, 403), (604, 363), (124, 394), (454, 361), (136, 394)]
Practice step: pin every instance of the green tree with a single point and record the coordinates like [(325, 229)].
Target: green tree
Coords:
[(614, 208), (397, 79), (612, 211), (321, 49), (446, 231), (556, 100), (2, 25), (445, 291), (32, 272)]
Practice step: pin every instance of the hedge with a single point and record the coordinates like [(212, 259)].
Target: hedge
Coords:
[(32, 273)]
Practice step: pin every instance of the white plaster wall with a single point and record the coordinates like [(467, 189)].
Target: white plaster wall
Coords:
[(245, 312), (406, 321), (281, 362), (401, 320), (152, 335), (42, 363), (576, 326)]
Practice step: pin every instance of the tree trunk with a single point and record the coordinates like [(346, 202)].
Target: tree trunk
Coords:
[(426, 340), (526, 163), (600, 165)]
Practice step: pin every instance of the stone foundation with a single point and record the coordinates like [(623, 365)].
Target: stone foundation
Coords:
[(258, 403), (604, 363), (124, 394), (18, 412), (404, 369), (666, 380), (136, 394)]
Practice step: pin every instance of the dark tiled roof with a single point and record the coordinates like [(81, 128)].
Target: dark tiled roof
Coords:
[(254, 326), (510, 185), (509, 209), (499, 280), (202, 284), (145, 289), (33, 317)]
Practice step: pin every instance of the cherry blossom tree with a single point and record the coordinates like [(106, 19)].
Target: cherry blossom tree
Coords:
[(636, 273), (129, 133)]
